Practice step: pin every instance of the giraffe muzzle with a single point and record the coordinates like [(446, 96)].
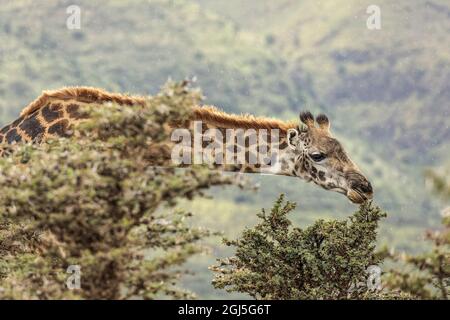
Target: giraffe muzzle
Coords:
[(360, 188)]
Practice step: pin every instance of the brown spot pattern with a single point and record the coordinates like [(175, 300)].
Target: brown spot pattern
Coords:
[(13, 136), (59, 128), (32, 127), (74, 111), (51, 112)]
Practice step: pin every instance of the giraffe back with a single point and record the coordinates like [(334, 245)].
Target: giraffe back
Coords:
[(52, 113)]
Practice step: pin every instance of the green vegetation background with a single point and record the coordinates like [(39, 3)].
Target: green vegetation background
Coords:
[(386, 91)]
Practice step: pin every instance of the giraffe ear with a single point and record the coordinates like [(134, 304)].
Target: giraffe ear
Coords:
[(323, 122), (307, 118), (291, 136)]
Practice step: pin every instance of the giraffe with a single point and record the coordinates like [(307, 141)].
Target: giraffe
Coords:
[(304, 149)]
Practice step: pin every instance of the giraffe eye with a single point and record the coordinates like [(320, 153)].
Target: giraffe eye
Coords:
[(317, 156)]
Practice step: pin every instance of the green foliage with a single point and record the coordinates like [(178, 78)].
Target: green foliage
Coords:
[(328, 260), (388, 85), (427, 275), (96, 200)]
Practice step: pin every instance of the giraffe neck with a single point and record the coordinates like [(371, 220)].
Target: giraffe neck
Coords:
[(249, 150), (246, 150)]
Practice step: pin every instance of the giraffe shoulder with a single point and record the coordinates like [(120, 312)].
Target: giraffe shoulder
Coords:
[(81, 94)]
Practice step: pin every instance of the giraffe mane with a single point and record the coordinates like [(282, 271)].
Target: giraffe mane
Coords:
[(82, 94), (219, 118), (208, 114)]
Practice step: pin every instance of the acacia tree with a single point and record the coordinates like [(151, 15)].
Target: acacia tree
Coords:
[(93, 201), (328, 260)]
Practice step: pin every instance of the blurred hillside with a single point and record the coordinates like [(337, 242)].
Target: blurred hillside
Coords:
[(386, 91), (395, 81)]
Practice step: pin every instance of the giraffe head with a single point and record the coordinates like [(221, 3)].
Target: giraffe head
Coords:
[(317, 156)]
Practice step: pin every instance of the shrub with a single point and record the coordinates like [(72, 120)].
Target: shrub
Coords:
[(96, 200), (328, 260)]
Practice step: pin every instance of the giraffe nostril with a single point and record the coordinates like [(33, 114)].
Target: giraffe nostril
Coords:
[(366, 187), (360, 184)]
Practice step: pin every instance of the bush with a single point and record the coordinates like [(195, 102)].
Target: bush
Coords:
[(328, 260), (97, 201)]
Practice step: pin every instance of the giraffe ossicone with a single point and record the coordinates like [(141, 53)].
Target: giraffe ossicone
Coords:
[(242, 143)]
